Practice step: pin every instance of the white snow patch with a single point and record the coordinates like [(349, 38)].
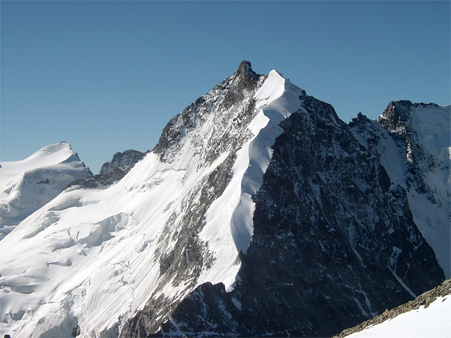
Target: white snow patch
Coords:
[(237, 303)]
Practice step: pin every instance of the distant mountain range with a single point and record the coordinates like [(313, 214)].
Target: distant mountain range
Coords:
[(258, 213)]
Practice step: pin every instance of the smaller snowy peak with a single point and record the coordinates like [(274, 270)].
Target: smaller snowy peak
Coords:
[(396, 111), (414, 144), (48, 155), (27, 185), (399, 113), (424, 128)]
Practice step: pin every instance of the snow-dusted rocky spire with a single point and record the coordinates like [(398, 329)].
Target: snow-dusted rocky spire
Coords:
[(245, 69)]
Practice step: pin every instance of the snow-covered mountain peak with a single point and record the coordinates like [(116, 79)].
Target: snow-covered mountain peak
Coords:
[(254, 179), (177, 219), (27, 185), (275, 73), (53, 148), (48, 155)]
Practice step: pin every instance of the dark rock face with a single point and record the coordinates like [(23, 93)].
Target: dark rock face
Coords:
[(338, 234), (124, 161), (334, 242)]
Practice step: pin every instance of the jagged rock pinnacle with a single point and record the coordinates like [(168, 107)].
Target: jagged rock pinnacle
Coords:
[(245, 69), (245, 66)]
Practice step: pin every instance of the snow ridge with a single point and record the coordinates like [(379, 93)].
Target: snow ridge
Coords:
[(275, 101), (278, 94)]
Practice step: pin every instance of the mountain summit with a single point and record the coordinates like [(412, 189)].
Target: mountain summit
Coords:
[(259, 212)]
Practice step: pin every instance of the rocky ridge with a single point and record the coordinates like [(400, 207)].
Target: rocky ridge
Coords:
[(184, 264), (122, 160)]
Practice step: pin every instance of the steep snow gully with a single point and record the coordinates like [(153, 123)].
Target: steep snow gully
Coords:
[(256, 203)]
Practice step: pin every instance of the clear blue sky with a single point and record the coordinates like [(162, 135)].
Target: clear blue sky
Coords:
[(108, 76)]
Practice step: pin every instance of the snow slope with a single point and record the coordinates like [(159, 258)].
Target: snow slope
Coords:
[(27, 185), (432, 321), (92, 258)]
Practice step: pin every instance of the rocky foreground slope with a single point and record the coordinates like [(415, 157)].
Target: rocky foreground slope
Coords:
[(440, 293), (258, 213)]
